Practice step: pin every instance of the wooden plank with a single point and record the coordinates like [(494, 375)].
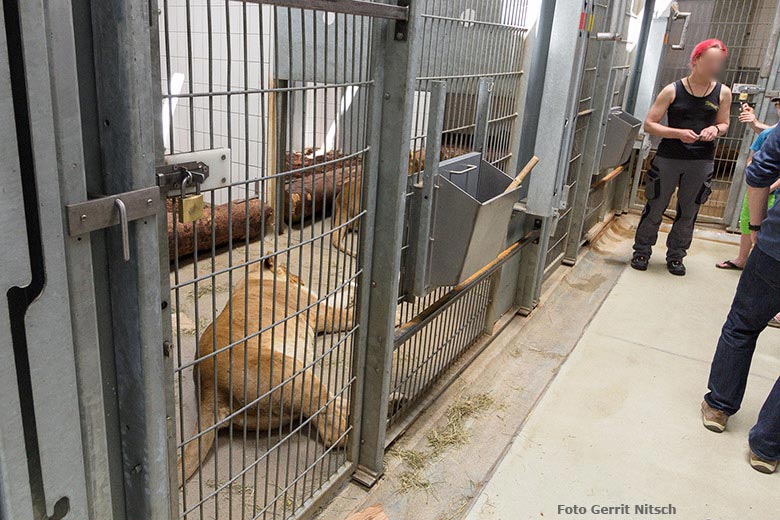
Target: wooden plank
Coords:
[(374, 512)]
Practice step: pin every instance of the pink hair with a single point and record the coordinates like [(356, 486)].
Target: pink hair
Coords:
[(702, 47)]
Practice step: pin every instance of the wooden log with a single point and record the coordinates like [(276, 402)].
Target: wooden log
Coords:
[(313, 195), (260, 222), (374, 512)]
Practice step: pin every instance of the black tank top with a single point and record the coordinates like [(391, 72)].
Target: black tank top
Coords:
[(690, 112)]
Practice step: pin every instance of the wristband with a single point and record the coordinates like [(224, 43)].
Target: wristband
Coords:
[(754, 227)]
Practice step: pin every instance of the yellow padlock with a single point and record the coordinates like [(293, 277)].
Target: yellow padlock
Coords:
[(190, 206)]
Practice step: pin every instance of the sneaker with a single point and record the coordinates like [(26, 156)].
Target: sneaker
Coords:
[(639, 262), (761, 465), (714, 420), (676, 267)]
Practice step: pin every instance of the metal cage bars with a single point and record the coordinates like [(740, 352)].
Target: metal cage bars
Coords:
[(476, 49), (265, 82)]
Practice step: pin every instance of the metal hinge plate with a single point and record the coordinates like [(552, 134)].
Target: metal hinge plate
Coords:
[(212, 165), (103, 212)]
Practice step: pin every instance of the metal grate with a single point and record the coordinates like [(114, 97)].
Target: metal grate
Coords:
[(600, 200), (272, 266), (462, 43), (744, 26), (597, 21)]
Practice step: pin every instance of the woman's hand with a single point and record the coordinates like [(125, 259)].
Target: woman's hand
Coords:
[(687, 136), (709, 133)]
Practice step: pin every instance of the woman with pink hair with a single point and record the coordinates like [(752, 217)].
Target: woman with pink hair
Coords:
[(697, 110)]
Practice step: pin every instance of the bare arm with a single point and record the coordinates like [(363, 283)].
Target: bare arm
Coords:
[(721, 125), (661, 104), (724, 111), (748, 115)]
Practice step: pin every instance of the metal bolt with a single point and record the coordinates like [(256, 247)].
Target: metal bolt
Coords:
[(373, 284), (83, 218), (224, 180), (399, 36), (149, 202), (167, 348), (224, 156), (387, 95), (136, 468)]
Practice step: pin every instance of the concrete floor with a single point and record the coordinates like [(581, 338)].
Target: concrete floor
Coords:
[(620, 422)]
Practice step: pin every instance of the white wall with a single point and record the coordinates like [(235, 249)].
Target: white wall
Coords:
[(197, 124)]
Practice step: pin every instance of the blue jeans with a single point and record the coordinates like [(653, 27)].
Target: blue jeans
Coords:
[(756, 302)]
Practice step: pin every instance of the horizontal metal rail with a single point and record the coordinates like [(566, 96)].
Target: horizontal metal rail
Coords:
[(410, 328), (470, 21), (356, 7)]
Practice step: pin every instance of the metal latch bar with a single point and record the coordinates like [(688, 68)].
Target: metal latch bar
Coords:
[(171, 176), (104, 212)]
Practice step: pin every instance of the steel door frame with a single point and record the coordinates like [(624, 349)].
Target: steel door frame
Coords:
[(770, 80), (591, 152), (393, 58)]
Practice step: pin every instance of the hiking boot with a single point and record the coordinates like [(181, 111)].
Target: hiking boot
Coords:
[(676, 267), (714, 420), (762, 465), (639, 262)]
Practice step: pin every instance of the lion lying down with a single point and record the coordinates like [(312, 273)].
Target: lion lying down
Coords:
[(297, 392)]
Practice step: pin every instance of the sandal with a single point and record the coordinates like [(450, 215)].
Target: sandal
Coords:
[(728, 265)]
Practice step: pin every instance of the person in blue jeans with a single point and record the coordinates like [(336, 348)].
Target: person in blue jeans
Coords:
[(757, 300)]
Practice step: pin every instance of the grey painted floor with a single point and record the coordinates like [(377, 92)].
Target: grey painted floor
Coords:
[(620, 422)]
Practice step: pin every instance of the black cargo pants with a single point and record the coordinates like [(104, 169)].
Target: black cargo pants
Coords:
[(693, 181)]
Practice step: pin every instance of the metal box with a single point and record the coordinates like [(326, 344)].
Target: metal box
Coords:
[(622, 129), (469, 220)]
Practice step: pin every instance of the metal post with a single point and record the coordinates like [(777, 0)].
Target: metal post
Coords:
[(591, 152), (127, 96), (639, 55), (484, 94), (396, 49), (279, 128), (559, 80), (422, 210), (530, 126), (533, 98), (532, 266), (101, 494)]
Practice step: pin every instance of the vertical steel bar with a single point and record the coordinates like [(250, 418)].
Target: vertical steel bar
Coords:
[(127, 96), (419, 232), (591, 149), (400, 54), (482, 115)]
